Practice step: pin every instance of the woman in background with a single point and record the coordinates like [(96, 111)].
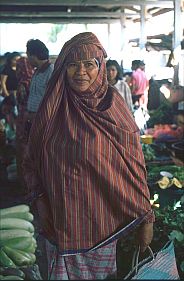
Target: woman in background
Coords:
[(9, 81), (114, 76), (24, 72)]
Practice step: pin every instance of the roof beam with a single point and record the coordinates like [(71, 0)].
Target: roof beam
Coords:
[(65, 14), (57, 20), (160, 3)]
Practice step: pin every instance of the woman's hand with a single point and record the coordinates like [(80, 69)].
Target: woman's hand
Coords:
[(45, 216), (144, 236)]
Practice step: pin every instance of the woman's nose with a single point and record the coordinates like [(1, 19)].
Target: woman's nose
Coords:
[(81, 68)]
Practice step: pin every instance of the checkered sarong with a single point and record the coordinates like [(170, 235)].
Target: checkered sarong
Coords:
[(96, 264)]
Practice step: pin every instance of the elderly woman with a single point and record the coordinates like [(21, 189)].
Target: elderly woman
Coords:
[(114, 76), (85, 167)]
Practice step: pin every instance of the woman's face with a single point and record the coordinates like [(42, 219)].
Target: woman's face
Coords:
[(111, 73), (81, 74), (14, 60)]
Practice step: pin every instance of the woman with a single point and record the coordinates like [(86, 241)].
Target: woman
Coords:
[(8, 75), (114, 76), (24, 72), (84, 165)]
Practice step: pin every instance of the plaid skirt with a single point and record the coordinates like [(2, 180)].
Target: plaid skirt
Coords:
[(95, 264)]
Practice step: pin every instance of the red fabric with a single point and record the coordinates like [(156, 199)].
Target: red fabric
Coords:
[(140, 81), (24, 72), (85, 153)]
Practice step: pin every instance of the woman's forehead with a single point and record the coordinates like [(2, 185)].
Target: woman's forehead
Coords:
[(84, 61), (111, 67), (84, 52)]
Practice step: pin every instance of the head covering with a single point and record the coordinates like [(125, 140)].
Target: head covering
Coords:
[(86, 150), (24, 72)]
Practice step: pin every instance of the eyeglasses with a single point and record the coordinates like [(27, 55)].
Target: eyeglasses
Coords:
[(87, 64)]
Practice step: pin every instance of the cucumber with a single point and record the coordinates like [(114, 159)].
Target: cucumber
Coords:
[(21, 215), (11, 223), (13, 233), (15, 209), (11, 277), (33, 258), (30, 249), (5, 260), (30, 256), (18, 256), (20, 243), (12, 271), (34, 242), (2, 269)]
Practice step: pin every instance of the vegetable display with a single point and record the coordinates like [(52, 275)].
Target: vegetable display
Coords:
[(17, 242), (165, 182), (155, 170), (148, 151)]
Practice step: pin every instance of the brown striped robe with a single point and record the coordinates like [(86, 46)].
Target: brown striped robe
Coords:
[(85, 154)]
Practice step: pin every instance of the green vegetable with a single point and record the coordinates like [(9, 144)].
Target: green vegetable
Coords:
[(30, 256), (12, 271), (148, 151), (162, 115), (21, 215), (19, 257), (30, 249), (12, 223), (11, 277), (5, 235), (15, 209), (176, 171), (20, 243), (5, 260)]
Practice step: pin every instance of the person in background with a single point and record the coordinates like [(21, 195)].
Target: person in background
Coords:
[(114, 76), (8, 75), (2, 65), (84, 166), (139, 84), (38, 56), (24, 73), (154, 100), (8, 112), (3, 59)]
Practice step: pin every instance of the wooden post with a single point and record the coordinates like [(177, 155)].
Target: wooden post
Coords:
[(176, 44), (143, 37)]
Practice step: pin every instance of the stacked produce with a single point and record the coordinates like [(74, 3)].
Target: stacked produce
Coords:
[(166, 182), (148, 151), (166, 176), (17, 242)]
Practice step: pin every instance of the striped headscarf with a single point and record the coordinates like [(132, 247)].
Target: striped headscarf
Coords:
[(86, 151)]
